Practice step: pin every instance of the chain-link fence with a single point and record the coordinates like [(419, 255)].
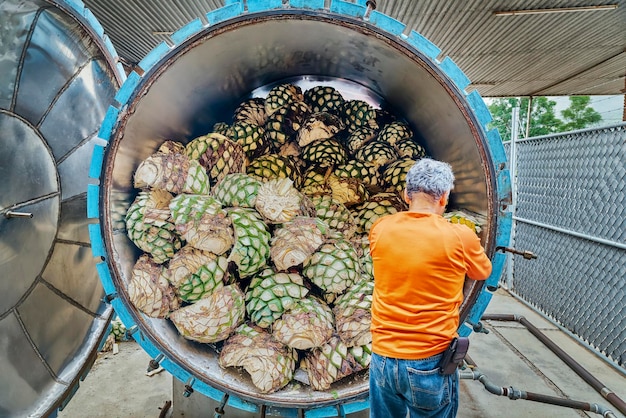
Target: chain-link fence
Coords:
[(570, 210)]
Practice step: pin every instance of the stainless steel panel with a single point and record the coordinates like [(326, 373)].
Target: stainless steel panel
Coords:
[(73, 223), (24, 377), (25, 161), (68, 122), (55, 86), (57, 331), (69, 268), (25, 244), (54, 53), (16, 18), (78, 161)]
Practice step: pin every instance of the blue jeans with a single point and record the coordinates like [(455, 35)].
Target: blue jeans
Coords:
[(413, 386)]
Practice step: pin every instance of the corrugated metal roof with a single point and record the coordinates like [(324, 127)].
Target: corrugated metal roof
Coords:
[(519, 55)]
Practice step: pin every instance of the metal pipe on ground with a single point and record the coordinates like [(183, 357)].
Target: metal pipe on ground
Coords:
[(606, 393), (514, 394)]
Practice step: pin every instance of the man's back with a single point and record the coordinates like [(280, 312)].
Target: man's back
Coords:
[(420, 263)]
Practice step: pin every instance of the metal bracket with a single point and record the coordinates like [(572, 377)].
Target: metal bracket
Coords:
[(526, 254)]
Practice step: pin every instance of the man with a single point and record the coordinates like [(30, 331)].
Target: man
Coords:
[(420, 265)]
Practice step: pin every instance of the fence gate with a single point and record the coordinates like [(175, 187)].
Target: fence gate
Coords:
[(571, 212)]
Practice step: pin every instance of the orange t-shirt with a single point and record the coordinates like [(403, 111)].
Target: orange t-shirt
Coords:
[(420, 264)]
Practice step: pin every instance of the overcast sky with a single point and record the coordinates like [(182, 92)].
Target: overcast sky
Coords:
[(610, 107)]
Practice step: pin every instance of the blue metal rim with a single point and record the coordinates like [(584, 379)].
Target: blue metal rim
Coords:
[(358, 10)]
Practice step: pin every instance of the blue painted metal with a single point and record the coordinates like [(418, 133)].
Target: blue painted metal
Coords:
[(495, 145), (125, 316), (357, 10), (387, 23), (126, 90), (77, 5), (353, 407), (423, 45), (105, 132), (348, 9), (239, 403), (93, 207), (454, 73), (106, 279), (93, 22), (187, 31), (97, 245), (263, 5), (152, 58), (307, 4), (323, 412), (97, 159), (480, 108), (229, 11)]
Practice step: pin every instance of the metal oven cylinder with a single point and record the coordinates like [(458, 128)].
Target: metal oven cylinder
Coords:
[(208, 67)]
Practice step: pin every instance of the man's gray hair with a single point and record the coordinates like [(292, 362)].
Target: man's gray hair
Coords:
[(435, 178)]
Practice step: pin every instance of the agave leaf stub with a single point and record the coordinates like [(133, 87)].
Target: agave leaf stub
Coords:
[(349, 191), (330, 363), (251, 249), (218, 154), (308, 324), (335, 214), (296, 241), (213, 318), (171, 171), (270, 294), (237, 190), (202, 223), (270, 364), (149, 225), (278, 201), (353, 316), (149, 291), (464, 218), (334, 267), (282, 95), (375, 207), (319, 126), (195, 273), (251, 111)]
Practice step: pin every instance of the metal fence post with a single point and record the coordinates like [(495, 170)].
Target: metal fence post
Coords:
[(513, 167)]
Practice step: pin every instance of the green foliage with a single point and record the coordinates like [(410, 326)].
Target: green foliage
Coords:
[(543, 119), (579, 114), (502, 112)]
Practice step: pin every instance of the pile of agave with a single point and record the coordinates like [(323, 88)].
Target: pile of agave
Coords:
[(254, 236)]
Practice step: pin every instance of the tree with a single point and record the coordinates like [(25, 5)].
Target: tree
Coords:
[(543, 119), (502, 112), (579, 114)]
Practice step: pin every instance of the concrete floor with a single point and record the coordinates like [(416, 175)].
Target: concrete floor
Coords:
[(508, 355)]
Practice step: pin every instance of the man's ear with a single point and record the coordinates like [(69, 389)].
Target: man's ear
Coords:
[(443, 200), (406, 197)]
